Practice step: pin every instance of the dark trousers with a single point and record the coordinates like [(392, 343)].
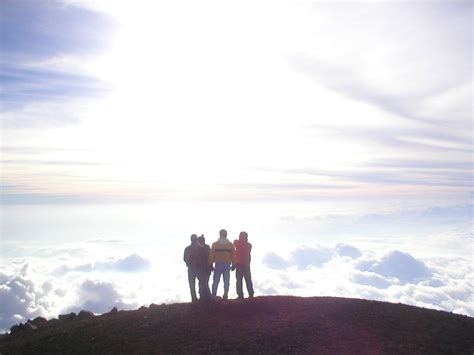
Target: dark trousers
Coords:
[(200, 275), (243, 272), (207, 276), (192, 276)]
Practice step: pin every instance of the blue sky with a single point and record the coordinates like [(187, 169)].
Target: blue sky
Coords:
[(309, 100), (339, 135), (34, 33)]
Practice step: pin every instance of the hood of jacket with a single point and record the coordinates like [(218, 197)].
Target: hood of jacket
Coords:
[(223, 240)]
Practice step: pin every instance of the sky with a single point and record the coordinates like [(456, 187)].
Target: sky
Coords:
[(338, 134)]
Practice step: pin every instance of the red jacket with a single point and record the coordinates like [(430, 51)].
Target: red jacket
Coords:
[(242, 252)]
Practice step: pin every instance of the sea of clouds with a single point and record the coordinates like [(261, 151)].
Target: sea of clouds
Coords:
[(100, 274)]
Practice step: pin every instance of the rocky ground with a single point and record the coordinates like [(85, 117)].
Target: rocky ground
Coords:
[(263, 325)]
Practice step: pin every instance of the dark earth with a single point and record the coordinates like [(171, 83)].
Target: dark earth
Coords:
[(263, 325)]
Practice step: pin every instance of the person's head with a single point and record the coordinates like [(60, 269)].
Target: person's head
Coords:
[(243, 236), (194, 238), (223, 233), (202, 240)]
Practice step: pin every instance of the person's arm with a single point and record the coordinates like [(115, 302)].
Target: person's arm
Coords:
[(185, 256), (211, 256), (209, 263), (232, 254)]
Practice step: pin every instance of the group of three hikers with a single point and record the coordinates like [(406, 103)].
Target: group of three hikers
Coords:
[(221, 258)]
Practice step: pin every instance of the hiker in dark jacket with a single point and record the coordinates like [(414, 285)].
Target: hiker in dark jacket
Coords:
[(242, 264), (191, 258), (207, 269)]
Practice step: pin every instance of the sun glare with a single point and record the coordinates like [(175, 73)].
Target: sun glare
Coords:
[(202, 105), (196, 106)]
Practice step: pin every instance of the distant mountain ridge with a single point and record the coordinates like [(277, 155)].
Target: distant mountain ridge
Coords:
[(264, 325)]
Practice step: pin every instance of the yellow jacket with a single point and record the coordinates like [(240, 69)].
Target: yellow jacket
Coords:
[(222, 251)]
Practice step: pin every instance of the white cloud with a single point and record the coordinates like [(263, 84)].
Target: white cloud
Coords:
[(20, 298), (33, 288), (45, 114), (302, 258), (305, 257), (275, 261), (132, 263), (392, 276), (129, 264), (397, 264), (98, 297), (30, 285), (348, 250), (372, 279)]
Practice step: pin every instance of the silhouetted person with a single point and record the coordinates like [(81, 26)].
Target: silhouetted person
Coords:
[(242, 264), (206, 272), (222, 256), (191, 258)]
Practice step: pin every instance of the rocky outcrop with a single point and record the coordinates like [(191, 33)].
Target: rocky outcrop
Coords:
[(26, 327), (85, 315), (67, 317), (15, 329), (39, 321)]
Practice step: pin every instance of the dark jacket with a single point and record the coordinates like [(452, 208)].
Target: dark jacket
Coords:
[(197, 256), (191, 255), (204, 256)]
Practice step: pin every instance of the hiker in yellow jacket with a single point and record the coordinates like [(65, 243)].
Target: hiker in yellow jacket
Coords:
[(222, 257)]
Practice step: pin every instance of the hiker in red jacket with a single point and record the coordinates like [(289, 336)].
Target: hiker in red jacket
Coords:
[(242, 264)]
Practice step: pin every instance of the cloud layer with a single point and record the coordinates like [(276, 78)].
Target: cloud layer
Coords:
[(130, 264), (59, 282), (393, 276)]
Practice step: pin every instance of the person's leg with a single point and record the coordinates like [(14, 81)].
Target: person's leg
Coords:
[(203, 295), (208, 275), (216, 279), (248, 281), (192, 283), (239, 275), (226, 274)]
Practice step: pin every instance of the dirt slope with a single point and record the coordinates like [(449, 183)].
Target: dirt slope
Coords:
[(277, 324)]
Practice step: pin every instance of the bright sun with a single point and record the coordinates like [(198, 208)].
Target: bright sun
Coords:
[(201, 103)]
